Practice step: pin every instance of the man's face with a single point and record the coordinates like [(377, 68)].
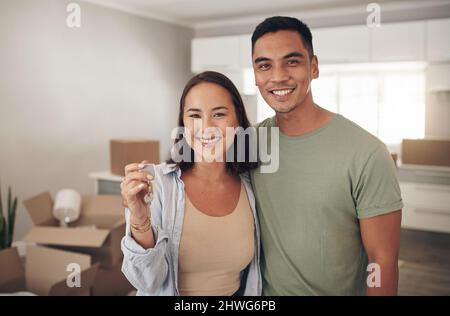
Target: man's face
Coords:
[(283, 69)]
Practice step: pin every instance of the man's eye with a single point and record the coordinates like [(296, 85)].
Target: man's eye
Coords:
[(292, 62), (264, 66)]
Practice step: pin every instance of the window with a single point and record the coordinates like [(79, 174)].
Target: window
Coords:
[(388, 99)]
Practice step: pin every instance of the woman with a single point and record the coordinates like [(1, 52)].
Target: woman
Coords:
[(200, 235)]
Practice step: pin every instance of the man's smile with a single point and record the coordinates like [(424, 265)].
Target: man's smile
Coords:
[(281, 94)]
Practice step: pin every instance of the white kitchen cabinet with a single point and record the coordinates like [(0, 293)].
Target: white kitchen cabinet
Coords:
[(215, 53), (221, 53), (335, 45), (438, 44), (427, 206), (438, 77), (398, 42), (230, 55)]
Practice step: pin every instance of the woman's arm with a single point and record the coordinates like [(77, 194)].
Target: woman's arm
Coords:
[(144, 245), (136, 184), (141, 231), (146, 269)]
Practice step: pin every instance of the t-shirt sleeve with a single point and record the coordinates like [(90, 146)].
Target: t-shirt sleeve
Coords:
[(377, 190)]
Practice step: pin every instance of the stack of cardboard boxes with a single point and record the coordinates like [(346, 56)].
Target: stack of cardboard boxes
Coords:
[(88, 249)]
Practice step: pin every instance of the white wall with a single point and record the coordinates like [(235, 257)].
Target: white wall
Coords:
[(64, 93)]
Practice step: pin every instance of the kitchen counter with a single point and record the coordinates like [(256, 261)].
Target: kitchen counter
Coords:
[(106, 182), (424, 174)]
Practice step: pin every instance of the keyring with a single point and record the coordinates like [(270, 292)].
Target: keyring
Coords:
[(148, 197)]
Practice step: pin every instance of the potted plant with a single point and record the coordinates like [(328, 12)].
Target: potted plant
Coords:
[(7, 220)]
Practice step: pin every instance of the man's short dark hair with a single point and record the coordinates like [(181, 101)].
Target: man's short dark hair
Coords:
[(282, 23)]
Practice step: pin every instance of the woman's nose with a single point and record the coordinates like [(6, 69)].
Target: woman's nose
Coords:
[(203, 125), (210, 128), (207, 122)]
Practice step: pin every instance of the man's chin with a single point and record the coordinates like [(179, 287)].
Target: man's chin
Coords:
[(279, 107), (284, 109)]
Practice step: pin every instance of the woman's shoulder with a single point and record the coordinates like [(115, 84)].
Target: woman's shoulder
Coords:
[(164, 171), (165, 167), (165, 180), (161, 169)]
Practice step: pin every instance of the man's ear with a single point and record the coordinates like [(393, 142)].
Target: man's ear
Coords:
[(314, 67)]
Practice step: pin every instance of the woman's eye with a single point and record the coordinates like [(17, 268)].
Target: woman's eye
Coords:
[(194, 116), (219, 114)]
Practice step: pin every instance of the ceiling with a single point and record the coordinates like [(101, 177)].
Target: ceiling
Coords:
[(197, 12)]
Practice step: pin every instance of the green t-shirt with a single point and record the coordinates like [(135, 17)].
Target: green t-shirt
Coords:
[(309, 209)]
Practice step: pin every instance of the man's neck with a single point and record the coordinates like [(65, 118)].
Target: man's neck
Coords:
[(305, 118)]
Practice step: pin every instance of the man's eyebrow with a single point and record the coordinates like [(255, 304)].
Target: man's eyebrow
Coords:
[(294, 54), (260, 59)]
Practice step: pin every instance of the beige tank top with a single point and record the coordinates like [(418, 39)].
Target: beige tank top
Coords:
[(214, 250)]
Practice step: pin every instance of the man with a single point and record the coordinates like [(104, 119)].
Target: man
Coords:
[(334, 205)]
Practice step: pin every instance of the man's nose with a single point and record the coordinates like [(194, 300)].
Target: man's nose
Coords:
[(279, 74)]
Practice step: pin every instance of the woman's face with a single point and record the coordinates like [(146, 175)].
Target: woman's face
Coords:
[(208, 111)]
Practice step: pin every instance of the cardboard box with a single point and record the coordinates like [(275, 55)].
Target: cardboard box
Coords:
[(124, 152), (46, 272), (111, 282), (12, 274), (431, 152), (102, 243)]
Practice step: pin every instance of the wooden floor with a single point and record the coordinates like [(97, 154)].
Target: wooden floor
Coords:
[(424, 263)]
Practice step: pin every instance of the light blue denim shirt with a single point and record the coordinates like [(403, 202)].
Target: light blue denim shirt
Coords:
[(154, 271)]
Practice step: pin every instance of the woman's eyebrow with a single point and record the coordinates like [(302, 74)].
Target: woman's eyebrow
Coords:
[(213, 109), (219, 108), (194, 110)]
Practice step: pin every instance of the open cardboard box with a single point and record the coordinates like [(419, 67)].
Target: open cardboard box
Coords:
[(45, 272), (97, 232), (111, 282)]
